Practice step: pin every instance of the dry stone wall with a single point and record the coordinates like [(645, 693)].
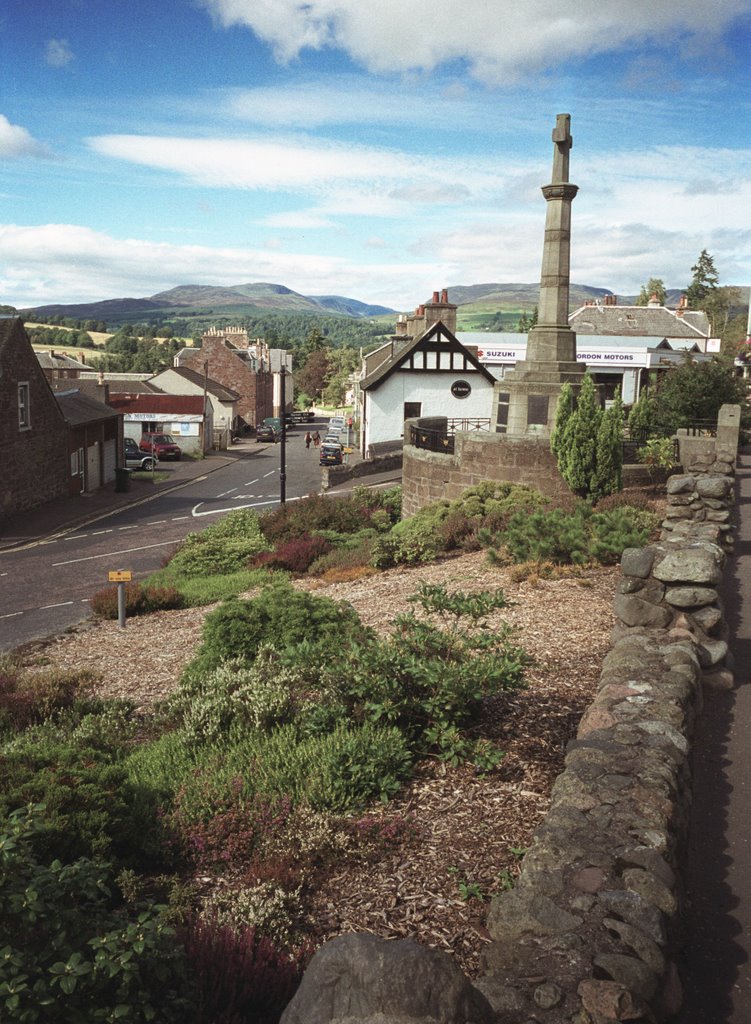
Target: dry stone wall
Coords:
[(589, 934)]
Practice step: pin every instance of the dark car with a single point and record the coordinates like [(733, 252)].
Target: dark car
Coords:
[(331, 455), (135, 458), (161, 445), (266, 432)]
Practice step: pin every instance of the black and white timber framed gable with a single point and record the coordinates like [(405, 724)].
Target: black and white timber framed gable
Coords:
[(433, 374), (438, 350)]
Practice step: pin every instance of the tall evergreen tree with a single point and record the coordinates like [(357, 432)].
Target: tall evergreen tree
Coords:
[(609, 452), (704, 282), (580, 440), (563, 413)]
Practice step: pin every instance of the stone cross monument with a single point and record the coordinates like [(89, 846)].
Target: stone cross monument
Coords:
[(528, 395)]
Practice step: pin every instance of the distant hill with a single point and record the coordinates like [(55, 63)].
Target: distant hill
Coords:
[(200, 300)]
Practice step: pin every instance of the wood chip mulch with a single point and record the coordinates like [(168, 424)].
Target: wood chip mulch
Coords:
[(466, 831)]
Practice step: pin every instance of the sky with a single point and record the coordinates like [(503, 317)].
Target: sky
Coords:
[(376, 151)]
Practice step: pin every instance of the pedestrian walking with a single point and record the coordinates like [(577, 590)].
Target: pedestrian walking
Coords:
[(316, 439), (308, 439)]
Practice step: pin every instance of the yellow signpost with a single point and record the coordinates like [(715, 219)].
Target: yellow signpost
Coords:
[(120, 576)]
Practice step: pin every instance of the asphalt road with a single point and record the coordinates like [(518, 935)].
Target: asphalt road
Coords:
[(44, 589)]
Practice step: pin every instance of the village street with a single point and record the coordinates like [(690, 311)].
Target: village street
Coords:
[(45, 587)]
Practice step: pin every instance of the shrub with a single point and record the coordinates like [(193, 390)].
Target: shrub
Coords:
[(69, 954), (355, 555), (139, 600), (280, 616), (578, 538), (265, 906), (314, 513), (200, 590), (91, 809), (29, 697), (295, 555), (238, 975), (634, 497)]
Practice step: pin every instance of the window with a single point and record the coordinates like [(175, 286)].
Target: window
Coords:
[(412, 410), (24, 412)]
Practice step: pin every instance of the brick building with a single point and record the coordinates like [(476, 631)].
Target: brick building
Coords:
[(32, 426), (231, 358)]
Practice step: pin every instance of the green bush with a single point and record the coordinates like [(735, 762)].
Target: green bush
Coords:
[(220, 549), (91, 808), (576, 538), (339, 771), (67, 954), (280, 616)]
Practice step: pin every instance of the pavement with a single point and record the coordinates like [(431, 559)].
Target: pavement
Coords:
[(716, 967)]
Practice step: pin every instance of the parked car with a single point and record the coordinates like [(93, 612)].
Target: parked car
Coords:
[(136, 459), (161, 445), (332, 438), (331, 455), (267, 432), (337, 423)]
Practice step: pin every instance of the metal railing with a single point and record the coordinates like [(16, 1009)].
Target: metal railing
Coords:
[(471, 423), (431, 440)]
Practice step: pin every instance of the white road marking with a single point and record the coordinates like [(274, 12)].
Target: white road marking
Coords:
[(176, 519), (218, 511), (133, 527), (225, 493), (113, 554), (156, 522), (251, 482), (272, 473), (75, 536), (98, 533), (10, 615), (62, 604)]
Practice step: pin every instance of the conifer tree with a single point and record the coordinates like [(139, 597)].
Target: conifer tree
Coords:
[(580, 440), (563, 413), (609, 454)]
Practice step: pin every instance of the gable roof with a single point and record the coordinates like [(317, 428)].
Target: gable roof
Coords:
[(219, 391), (643, 321), (78, 408), (438, 338), (59, 361)]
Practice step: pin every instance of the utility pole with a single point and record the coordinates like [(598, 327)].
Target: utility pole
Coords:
[(283, 450)]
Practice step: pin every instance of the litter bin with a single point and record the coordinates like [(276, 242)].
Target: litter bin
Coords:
[(122, 480)]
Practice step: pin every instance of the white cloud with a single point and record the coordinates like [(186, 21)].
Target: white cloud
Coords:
[(320, 167), (17, 142), (499, 41), (61, 262), (58, 53)]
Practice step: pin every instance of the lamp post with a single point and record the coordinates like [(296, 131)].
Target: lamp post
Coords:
[(283, 450)]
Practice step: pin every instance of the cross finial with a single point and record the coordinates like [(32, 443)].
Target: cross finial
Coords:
[(563, 142)]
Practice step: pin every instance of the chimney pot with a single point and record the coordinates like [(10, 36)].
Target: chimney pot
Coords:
[(445, 295), (435, 296)]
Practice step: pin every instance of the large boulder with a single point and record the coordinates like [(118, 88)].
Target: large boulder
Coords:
[(362, 979)]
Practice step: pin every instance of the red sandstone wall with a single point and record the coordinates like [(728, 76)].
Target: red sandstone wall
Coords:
[(255, 389), (429, 476)]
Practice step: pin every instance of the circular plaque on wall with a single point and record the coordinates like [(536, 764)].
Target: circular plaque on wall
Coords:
[(461, 389)]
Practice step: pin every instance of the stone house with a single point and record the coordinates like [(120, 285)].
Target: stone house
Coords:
[(424, 371), (231, 358), (32, 426), (60, 366), (94, 434)]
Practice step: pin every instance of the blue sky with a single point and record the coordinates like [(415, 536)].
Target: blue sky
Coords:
[(378, 151)]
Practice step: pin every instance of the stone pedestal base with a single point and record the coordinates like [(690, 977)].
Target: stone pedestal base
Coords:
[(527, 398)]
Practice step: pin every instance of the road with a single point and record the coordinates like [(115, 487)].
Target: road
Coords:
[(45, 588)]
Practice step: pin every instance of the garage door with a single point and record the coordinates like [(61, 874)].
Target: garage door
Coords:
[(110, 460), (93, 475)]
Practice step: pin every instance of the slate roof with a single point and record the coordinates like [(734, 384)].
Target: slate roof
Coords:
[(220, 391), (59, 361), (78, 408), (641, 321)]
